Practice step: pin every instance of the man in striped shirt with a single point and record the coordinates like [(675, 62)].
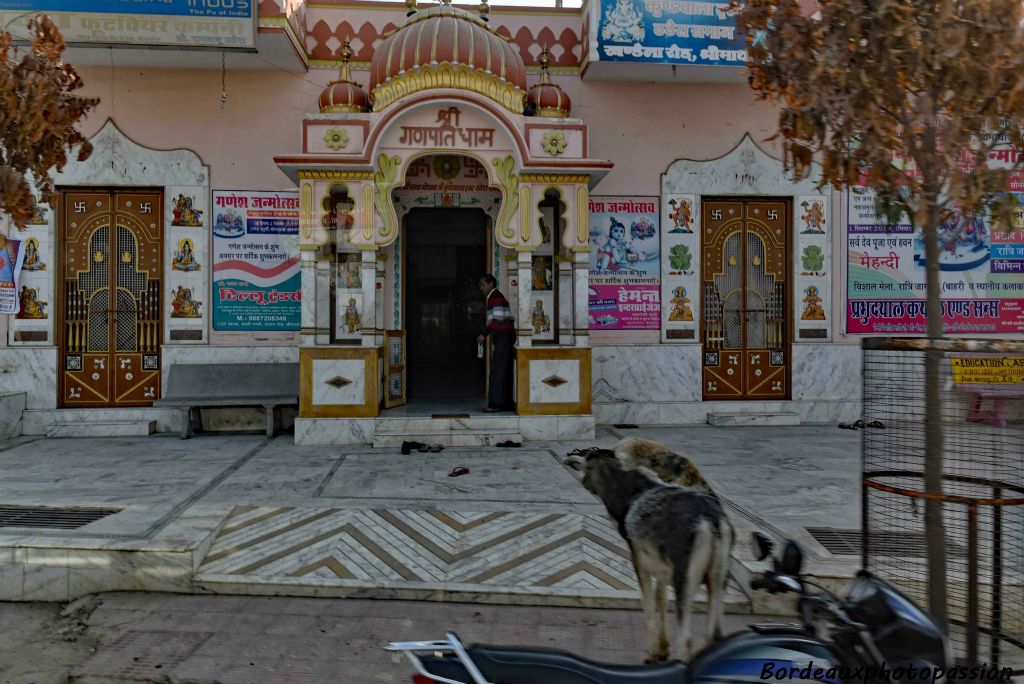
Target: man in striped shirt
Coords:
[(500, 327)]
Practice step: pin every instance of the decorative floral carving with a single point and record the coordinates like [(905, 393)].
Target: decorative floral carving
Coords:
[(336, 138), (554, 142)]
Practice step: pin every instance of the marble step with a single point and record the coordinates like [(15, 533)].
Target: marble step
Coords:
[(105, 428), (448, 438), (753, 419), (409, 425)]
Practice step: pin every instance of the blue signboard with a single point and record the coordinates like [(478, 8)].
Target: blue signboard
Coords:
[(176, 8), (221, 24), (694, 32)]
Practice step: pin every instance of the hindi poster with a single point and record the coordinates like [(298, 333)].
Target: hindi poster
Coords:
[(256, 281), (625, 263), (11, 257), (982, 274)]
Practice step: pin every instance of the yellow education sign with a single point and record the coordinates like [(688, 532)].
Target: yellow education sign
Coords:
[(987, 370)]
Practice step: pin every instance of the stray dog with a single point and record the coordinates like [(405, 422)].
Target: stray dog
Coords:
[(676, 536), (669, 466)]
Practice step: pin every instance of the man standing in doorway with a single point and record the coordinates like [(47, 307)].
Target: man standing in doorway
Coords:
[(500, 327)]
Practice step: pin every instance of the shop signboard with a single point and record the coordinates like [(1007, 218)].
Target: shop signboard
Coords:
[(694, 32), (221, 24), (981, 273), (256, 281), (625, 263)]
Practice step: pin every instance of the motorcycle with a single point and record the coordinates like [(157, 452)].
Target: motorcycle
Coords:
[(873, 633)]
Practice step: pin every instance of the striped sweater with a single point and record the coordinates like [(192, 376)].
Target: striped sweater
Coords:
[(499, 314)]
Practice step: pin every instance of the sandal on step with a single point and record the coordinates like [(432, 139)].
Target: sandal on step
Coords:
[(846, 426), (876, 424)]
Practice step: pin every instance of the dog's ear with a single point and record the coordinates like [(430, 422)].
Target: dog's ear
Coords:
[(576, 462)]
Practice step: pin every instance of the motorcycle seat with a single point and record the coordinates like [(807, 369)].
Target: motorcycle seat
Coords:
[(504, 665)]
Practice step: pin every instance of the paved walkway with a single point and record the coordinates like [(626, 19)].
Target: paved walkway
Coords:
[(244, 514)]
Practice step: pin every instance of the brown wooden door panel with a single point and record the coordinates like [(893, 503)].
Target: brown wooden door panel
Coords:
[(745, 315), (110, 313)]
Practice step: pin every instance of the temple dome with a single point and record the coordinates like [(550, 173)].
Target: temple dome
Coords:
[(548, 99), (344, 94), (446, 47)]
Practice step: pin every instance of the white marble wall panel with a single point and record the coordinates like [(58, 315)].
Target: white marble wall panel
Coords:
[(566, 369), (307, 334), (32, 370), (565, 305), (646, 373), (323, 273), (353, 370), (696, 412), (334, 431), (826, 371), (12, 404), (581, 298)]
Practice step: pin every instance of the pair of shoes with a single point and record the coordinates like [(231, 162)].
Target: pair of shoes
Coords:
[(432, 448), (876, 424), (846, 426), (407, 447), (509, 443)]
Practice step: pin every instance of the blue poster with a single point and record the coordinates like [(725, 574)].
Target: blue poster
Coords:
[(175, 8), (256, 281), (694, 32)]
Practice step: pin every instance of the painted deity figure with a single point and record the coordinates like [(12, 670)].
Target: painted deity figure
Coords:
[(681, 310), (185, 214), (183, 305), (813, 217), (541, 273), (813, 311), (351, 318), (541, 322), (31, 307), (681, 215), (623, 23), (32, 260), (184, 258), (613, 254)]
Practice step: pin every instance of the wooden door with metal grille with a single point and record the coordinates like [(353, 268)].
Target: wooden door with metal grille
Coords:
[(110, 308), (745, 319)]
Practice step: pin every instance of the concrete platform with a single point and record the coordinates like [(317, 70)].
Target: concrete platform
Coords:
[(214, 514)]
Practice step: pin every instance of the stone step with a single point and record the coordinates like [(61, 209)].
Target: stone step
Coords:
[(103, 428), (753, 419), (448, 438), (408, 425)]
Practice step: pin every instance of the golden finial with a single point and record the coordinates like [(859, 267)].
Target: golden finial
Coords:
[(345, 73), (545, 77), (485, 10), (410, 7)]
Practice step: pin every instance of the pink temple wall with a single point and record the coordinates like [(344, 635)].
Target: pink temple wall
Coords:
[(641, 127)]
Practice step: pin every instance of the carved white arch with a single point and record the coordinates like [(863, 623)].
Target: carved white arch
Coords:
[(120, 162), (747, 170)]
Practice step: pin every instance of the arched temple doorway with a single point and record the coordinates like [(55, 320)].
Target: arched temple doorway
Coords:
[(451, 145)]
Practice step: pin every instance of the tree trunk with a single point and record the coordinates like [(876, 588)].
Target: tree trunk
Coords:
[(934, 525)]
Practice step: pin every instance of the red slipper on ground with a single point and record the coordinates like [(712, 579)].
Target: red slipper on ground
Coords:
[(458, 470)]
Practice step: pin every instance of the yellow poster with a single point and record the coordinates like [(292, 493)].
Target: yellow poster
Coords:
[(987, 370)]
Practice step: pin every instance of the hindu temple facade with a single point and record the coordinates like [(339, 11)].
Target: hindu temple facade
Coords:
[(325, 184)]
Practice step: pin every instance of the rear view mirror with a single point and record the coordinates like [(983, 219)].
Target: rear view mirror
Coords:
[(761, 546), (792, 559)]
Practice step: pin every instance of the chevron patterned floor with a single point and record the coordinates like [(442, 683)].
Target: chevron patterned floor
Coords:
[(504, 557)]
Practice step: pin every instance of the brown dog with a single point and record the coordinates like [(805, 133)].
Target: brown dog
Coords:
[(669, 466)]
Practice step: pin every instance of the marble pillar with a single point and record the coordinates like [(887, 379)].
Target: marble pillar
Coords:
[(324, 266), (368, 273), (565, 294), (307, 332), (581, 297), (524, 323)]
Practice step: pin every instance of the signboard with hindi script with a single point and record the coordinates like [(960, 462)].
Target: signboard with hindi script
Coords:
[(695, 32), (987, 370), (981, 273), (221, 24)]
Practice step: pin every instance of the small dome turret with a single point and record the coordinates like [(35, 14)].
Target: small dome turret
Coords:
[(344, 94), (548, 99)]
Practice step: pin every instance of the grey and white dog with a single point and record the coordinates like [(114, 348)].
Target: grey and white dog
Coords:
[(677, 536)]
